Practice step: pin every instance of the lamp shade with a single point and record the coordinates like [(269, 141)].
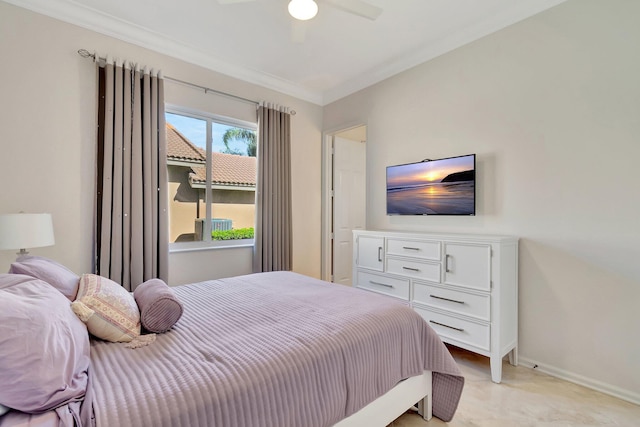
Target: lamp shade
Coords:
[(303, 9), (24, 230)]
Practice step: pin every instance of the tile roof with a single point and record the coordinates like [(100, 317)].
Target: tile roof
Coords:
[(180, 148), (227, 169)]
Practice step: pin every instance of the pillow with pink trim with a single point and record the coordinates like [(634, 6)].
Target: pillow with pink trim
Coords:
[(109, 310), (35, 320)]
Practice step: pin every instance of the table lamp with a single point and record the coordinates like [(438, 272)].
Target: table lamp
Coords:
[(26, 230)]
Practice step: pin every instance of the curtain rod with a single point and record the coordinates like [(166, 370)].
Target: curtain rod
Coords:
[(86, 54)]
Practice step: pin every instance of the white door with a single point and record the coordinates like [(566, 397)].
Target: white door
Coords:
[(349, 203)]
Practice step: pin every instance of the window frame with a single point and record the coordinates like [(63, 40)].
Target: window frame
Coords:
[(208, 243)]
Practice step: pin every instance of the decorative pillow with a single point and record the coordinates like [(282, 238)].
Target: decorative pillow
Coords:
[(44, 348), (159, 307), (55, 274), (108, 310)]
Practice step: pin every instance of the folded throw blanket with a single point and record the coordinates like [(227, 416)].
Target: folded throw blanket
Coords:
[(159, 307)]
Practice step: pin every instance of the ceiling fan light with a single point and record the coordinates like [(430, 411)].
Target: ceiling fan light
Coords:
[(303, 9)]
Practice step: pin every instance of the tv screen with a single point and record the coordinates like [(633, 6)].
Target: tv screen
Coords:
[(433, 187)]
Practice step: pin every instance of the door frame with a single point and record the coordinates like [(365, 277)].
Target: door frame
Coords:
[(326, 261)]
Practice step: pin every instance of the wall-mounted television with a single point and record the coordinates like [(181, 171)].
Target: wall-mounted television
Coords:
[(433, 187)]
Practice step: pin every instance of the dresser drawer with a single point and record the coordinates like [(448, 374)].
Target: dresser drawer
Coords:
[(452, 329), (465, 303), (413, 248), (416, 269), (398, 288)]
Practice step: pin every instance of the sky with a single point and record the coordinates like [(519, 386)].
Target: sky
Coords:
[(427, 172), (196, 131)]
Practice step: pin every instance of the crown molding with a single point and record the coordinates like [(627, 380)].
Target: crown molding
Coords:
[(94, 20)]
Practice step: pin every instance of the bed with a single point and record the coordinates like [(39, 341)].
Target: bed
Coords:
[(269, 349)]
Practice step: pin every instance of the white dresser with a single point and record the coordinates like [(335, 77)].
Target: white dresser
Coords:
[(464, 285)]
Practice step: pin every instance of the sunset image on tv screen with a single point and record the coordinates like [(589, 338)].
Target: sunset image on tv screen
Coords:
[(437, 187)]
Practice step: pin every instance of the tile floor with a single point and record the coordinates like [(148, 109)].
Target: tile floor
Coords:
[(526, 398)]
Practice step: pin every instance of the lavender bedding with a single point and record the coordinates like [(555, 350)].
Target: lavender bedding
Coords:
[(270, 349)]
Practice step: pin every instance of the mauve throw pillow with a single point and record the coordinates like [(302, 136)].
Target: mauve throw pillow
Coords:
[(108, 309), (159, 307), (50, 271), (44, 347)]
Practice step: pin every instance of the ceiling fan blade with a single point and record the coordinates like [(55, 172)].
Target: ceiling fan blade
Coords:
[(298, 31), (357, 7), (234, 1)]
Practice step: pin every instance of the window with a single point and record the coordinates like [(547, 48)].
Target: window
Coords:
[(211, 164)]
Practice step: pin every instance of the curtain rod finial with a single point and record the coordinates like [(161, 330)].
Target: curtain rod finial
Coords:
[(86, 54)]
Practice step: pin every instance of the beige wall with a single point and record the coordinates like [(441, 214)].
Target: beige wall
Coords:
[(551, 106), (243, 216), (182, 199), (47, 140)]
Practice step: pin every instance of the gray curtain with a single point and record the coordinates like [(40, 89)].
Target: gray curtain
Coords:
[(132, 231), (272, 250)]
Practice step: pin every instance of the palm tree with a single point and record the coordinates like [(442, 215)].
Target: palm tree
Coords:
[(245, 135)]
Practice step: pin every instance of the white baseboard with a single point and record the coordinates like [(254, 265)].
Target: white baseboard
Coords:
[(600, 386)]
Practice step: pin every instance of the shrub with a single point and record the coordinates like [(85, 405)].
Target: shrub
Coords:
[(240, 233)]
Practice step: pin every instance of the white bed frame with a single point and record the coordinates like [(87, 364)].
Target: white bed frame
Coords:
[(394, 403)]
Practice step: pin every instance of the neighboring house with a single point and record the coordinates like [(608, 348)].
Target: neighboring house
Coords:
[(233, 184)]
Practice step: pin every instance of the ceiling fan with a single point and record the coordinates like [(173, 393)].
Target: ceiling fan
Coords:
[(306, 9)]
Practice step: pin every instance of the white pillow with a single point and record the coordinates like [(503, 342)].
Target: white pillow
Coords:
[(108, 310)]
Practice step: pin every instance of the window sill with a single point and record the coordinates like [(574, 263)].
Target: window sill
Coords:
[(208, 246)]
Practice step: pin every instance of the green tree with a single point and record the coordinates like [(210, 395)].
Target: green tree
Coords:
[(245, 135)]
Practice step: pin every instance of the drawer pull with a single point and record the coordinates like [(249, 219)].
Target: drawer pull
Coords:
[(379, 253), (381, 284), (410, 248), (446, 264), (447, 326), (417, 270), (446, 299)]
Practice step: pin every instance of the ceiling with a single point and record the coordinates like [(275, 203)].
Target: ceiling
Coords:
[(341, 53)]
